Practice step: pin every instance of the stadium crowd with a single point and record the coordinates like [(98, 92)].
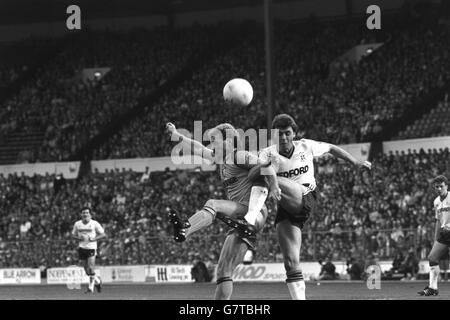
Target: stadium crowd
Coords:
[(346, 102), (71, 108), (351, 104), (357, 216)]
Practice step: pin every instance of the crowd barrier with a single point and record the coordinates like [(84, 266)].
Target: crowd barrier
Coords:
[(257, 272)]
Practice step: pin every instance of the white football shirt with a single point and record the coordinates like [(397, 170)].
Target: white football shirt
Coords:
[(91, 229), (300, 166), (442, 209)]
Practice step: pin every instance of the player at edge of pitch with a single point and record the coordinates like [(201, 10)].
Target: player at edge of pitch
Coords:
[(441, 234)]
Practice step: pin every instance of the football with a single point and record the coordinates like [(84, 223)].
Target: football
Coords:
[(238, 92)]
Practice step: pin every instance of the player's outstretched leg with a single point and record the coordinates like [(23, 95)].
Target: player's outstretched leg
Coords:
[(290, 239), (226, 210), (435, 255), (233, 252)]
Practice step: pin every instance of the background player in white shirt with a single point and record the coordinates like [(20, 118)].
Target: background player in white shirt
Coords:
[(293, 162), (88, 231), (441, 234)]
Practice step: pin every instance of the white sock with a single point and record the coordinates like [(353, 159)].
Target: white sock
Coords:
[(200, 220), (91, 282), (297, 290), (434, 277), (97, 279), (258, 197)]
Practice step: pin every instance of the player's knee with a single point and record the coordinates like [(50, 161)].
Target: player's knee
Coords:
[(224, 273), (89, 271), (433, 260), (224, 267), (211, 203)]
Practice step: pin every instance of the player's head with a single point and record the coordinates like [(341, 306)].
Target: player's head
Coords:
[(285, 130), (440, 185), (86, 214), (223, 138)]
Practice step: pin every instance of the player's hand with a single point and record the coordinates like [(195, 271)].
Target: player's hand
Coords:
[(275, 194), (365, 165), (170, 128)]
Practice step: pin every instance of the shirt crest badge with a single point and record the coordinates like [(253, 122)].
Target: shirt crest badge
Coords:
[(301, 156)]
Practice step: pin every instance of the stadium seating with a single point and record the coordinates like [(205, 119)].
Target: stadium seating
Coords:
[(65, 112), (433, 124), (353, 103)]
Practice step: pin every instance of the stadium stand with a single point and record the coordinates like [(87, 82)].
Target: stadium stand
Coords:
[(360, 99), (433, 124), (356, 217), (56, 106), (351, 106)]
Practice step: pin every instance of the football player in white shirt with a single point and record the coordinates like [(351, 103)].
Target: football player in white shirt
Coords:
[(293, 162), (88, 231), (441, 234)]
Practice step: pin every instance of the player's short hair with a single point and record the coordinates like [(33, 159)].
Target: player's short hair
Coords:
[(284, 120), (86, 208), (227, 130), (439, 179)]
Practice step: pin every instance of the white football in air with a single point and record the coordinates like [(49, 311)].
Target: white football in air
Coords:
[(238, 92)]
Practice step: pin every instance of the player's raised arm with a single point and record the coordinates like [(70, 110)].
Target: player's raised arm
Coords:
[(338, 152), (198, 148)]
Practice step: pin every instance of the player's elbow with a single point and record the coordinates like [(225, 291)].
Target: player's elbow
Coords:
[(254, 173), (334, 150)]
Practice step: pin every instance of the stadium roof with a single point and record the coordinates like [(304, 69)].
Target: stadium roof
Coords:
[(29, 11)]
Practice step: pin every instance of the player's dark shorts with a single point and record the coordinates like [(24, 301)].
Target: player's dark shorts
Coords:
[(299, 218), (84, 254), (444, 237)]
